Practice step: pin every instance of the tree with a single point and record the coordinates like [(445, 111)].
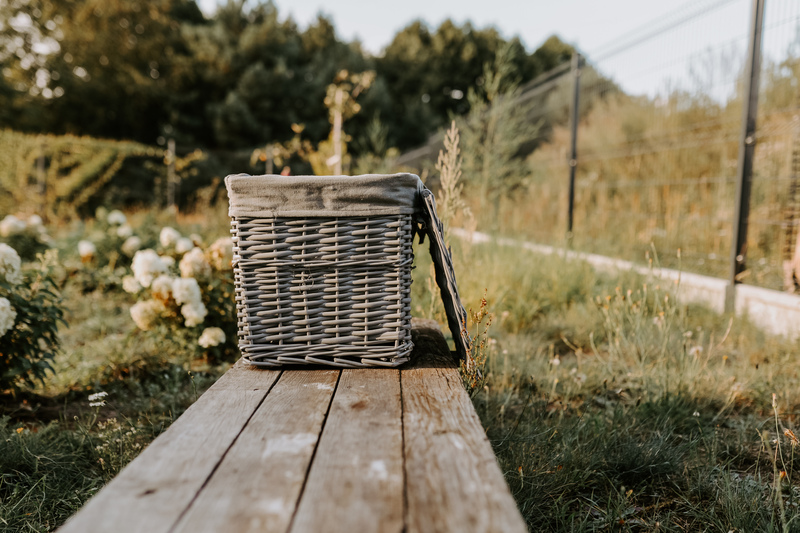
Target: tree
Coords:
[(494, 132), (28, 33), (429, 74), (281, 75)]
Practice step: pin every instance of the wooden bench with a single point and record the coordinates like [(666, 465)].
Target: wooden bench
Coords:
[(317, 450)]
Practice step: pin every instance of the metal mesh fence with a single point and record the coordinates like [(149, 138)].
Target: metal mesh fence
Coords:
[(661, 112)]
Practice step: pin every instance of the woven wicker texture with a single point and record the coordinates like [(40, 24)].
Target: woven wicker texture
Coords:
[(333, 291)]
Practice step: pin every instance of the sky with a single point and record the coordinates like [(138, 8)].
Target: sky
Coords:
[(707, 49)]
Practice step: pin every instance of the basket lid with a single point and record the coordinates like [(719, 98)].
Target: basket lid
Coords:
[(446, 278), (323, 196)]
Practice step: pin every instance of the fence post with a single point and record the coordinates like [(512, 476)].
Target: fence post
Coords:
[(171, 182), (268, 152), (573, 153), (747, 145), (41, 179)]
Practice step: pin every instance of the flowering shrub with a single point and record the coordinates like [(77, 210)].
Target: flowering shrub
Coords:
[(106, 249), (191, 299), (30, 313), (211, 337), (28, 237), (87, 250)]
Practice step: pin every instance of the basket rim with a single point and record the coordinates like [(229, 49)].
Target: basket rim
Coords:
[(270, 195)]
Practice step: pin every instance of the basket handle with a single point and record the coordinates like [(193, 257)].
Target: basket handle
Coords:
[(445, 275)]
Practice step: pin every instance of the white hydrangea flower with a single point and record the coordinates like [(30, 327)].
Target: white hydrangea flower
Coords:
[(11, 225), (211, 337), (186, 291), (131, 245), (146, 313), (162, 287), (116, 218), (146, 265), (35, 221), (168, 237), (7, 316), (124, 231), (194, 265), (129, 284), (194, 313), (168, 260), (10, 264), (86, 249), (183, 245), (97, 396), (221, 253)]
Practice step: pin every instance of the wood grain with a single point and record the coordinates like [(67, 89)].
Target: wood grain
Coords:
[(453, 482), (399, 451), (356, 480), (151, 492), (258, 484)]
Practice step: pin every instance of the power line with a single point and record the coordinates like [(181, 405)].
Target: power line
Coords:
[(657, 27)]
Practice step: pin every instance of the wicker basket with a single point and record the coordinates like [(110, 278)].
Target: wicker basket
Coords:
[(333, 290), (323, 268)]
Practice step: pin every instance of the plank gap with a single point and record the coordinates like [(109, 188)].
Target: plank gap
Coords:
[(222, 457), (356, 480), (314, 453), (403, 443)]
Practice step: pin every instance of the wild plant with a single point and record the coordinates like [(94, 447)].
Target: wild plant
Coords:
[(30, 315), (473, 369), (451, 206), (493, 132)]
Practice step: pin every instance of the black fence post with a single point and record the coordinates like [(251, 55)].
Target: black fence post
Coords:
[(747, 145), (573, 152)]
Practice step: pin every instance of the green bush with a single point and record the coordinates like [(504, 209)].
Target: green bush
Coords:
[(30, 314)]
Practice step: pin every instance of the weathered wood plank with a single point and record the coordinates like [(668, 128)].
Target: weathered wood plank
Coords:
[(150, 493), (356, 480), (453, 482), (400, 451), (258, 484)]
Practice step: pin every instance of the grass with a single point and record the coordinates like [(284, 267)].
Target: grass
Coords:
[(613, 407)]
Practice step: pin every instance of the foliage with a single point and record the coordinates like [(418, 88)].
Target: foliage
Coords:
[(74, 170), (493, 134), (239, 78), (429, 73), (28, 348), (473, 369), (660, 171), (451, 204), (183, 293), (331, 154), (29, 242)]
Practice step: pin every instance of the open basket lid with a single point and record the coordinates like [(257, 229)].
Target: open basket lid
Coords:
[(366, 195), (445, 274)]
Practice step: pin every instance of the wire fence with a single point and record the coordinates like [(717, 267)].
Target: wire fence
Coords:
[(660, 142)]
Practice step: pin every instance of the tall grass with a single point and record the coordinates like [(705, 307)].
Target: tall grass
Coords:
[(661, 171), (612, 405)]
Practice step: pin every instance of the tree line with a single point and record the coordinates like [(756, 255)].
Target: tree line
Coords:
[(146, 71)]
